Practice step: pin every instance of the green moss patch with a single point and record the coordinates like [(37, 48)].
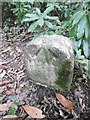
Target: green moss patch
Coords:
[(64, 76)]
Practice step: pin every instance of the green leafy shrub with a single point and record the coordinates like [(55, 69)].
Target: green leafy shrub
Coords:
[(19, 10), (79, 25), (42, 20), (79, 31)]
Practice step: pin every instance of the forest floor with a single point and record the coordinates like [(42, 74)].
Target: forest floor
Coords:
[(17, 90)]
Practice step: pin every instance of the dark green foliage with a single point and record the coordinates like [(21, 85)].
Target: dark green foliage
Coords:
[(39, 19), (7, 15), (79, 25), (79, 31), (20, 9)]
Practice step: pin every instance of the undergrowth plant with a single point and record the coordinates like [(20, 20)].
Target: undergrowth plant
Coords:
[(42, 21), (79, 31)]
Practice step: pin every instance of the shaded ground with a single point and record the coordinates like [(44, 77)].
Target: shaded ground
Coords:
[(19, 90)]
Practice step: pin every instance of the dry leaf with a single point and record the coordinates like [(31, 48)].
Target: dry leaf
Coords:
[(64, 101), (11, 117), (3, 107), (33, 111), (2, 88), (8, 92), (4, 83)]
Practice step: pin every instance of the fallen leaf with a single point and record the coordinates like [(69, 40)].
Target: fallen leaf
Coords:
[(64, 101), (33, 111), (24, 94), (8, 92), (11, 117), (3, 107), (2, 88), (4, 83)]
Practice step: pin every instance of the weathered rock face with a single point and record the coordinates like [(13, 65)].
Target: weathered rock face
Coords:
[(49, 60)]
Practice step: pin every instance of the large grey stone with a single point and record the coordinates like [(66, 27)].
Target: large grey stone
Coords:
[(50, 60)]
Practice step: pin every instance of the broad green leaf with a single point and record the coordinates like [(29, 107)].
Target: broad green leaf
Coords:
[(33, 26), (41, 22), (72, 31), (77, 17), (48, 24), (75, 45), (51, 26), (15, 10), (79, 42), (51, 17), (26, 20), (73, 16), (38, 11), (78, 53), (86, 48), (87, 30), (89, 69), (71, 20), (31, 17), (48, 10), (67, 24), (81, 27)]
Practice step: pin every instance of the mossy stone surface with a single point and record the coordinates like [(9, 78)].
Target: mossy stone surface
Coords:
[(64, 76), (49, 60)]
